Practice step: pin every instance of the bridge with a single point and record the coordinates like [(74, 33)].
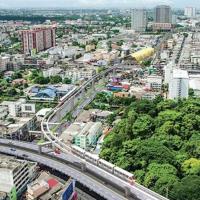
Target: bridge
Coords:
[(103, 183), (67, 105)]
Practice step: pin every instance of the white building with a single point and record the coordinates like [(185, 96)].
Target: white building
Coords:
[(154, 82), (18, 108), (138, 20), (3, 63), (3, 112), (51, 72), (78, 74), (168, 72), (190, 11), (15, 175), (179, 84)]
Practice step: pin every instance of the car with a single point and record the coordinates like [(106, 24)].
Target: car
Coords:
[(24, 155), (12, 149)]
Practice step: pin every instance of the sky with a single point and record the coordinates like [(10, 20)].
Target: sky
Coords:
[(95, 3)]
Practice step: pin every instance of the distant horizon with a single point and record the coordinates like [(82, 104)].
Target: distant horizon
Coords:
[(93, 4)]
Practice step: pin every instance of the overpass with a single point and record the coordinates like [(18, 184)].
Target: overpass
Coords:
[(67, 105), (103, 183)]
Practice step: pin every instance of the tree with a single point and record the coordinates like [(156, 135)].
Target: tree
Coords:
[(11, 92), (55, 79), (143, 126), (41, 80), (191, 167), (17, 75), (67, 81), (160, 177), (187, 189)]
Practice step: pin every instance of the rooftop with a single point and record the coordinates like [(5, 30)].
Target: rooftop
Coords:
[(177, 73)]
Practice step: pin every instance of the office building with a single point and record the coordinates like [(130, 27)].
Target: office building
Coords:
[(190, 12), (179, 84), (163, 14), (138, 20), (38, 39)]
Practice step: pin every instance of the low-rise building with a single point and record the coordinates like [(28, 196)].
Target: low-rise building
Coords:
[(89, 135), (154, 82), (48, 187), (15, 175)]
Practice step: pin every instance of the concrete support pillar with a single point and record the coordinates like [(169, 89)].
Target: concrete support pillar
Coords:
[(39, 149), (93, 85), (127, 192), (114, 72), (83, 167)]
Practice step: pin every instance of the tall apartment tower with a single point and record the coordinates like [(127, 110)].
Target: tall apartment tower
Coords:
[(38, 39), (179, 84), (163, 14), (138, 20), (190, 11)]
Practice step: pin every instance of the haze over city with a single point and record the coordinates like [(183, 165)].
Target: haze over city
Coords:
[(94, 4)]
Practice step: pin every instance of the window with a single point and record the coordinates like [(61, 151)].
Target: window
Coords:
[(28, 108)]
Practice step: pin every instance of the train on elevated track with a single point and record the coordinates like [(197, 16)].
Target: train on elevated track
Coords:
[(103, 164)]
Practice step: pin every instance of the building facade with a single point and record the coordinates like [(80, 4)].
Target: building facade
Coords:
[(163, 14), (89, 135), (190, 12), (38, 39), (179, 84), (15, 175), (138, 20)]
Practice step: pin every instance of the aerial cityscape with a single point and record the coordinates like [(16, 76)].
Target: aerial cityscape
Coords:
[(99, 100)]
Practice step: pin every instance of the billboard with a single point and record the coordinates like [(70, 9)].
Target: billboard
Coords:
[(67, 194)]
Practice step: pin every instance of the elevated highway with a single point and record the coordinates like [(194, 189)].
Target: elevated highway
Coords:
[(67, 105)]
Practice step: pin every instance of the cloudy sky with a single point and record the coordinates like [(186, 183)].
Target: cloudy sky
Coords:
[(95, 3)]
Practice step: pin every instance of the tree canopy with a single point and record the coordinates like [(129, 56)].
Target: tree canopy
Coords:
[(159, 142)]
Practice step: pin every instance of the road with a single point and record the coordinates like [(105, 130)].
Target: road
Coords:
[(53, 161)]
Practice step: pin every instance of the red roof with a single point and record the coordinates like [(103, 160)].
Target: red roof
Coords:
[(52, 182)]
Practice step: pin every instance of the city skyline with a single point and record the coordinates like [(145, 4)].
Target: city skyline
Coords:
[(93, 4)]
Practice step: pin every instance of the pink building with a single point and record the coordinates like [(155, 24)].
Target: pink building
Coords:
[(39, 39)]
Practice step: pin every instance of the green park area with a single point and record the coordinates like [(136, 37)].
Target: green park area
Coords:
[(159, 142)]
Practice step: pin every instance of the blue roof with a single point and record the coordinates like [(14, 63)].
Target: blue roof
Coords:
[(51, 88), (46, 93), (35, 89)]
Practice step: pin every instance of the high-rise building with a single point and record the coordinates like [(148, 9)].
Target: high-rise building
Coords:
[(138, 20), (38, 39), (163, 14), (190, 11), (179, 84)]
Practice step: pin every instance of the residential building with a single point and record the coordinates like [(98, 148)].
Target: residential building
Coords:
[(163, 14), (154, 82), (3, 112), (4, 60), (89, 135), (138, 20), (15, 175), (47, 187), (190, 12), (162, 18), (38, 39), (18, 108), (78, 74), (179, 84)]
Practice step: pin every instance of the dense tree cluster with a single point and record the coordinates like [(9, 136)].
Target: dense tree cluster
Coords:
[(159, 142)]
